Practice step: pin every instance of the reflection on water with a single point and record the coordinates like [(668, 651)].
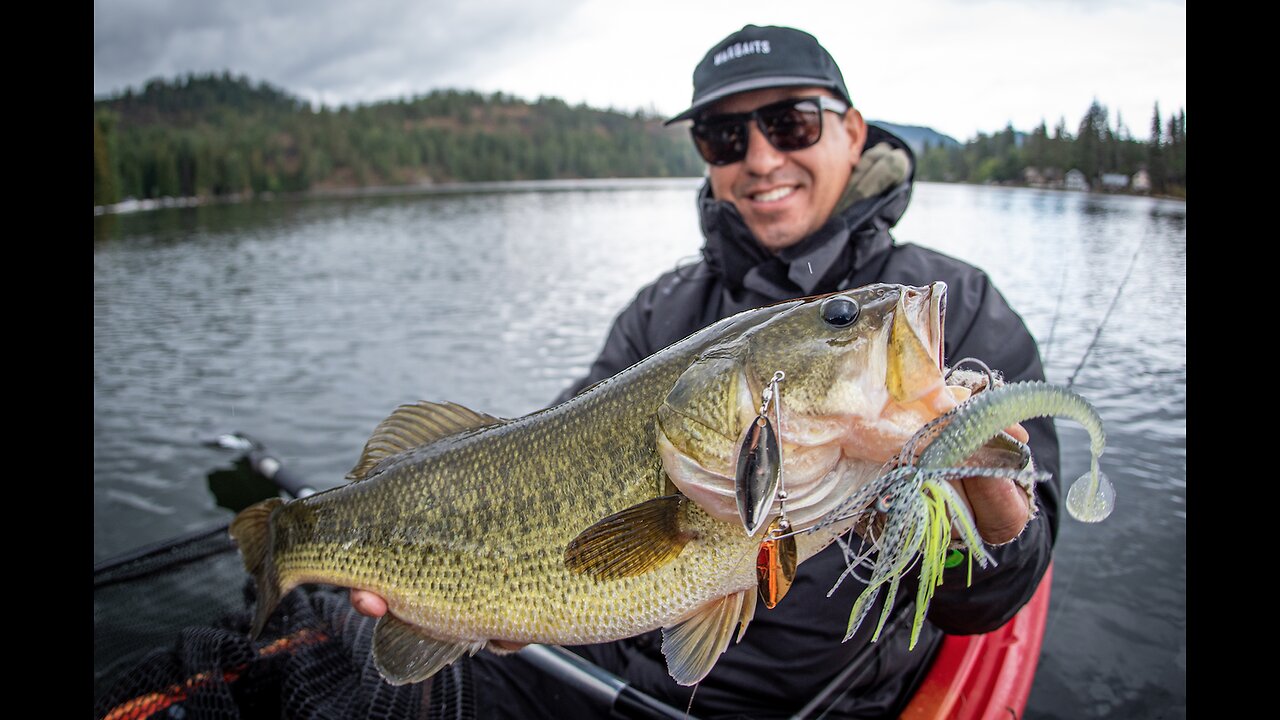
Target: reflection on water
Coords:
[(303, 323)]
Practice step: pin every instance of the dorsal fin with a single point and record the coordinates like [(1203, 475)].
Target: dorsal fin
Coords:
[(412, 426)]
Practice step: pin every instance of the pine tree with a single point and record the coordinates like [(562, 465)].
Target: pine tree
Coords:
[(1155, 154), (105, 184), (1091, 142), (1176, 154)]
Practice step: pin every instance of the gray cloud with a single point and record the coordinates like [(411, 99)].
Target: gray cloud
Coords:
[(957, 65), (321, 48)]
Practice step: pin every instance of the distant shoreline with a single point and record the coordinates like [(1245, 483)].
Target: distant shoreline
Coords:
[(1121, 193), (450, 188), (130, 205)]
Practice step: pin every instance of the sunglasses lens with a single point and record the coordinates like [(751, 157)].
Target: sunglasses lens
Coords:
[(788, 125), (721, 142), (793, 125)]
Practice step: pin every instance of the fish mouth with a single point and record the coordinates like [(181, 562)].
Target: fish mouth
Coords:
[(830, 458), (925, 310), (887, 386), (915, 346)]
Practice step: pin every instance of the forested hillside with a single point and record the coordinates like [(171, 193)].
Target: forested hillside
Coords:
[(220, 135), (1098, 148), (213, 135)]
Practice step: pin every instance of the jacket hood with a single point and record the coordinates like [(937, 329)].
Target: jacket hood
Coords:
[(877, 196)]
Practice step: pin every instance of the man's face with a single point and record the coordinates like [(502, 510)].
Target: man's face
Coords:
[(785, 196)]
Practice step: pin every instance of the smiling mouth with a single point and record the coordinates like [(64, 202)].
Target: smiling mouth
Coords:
[(775, 194)]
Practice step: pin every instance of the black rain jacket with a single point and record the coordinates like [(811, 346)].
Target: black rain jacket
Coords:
[(791, 653)]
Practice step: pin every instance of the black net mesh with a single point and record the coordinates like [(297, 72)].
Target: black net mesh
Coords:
[(171, 640), (143, 601)]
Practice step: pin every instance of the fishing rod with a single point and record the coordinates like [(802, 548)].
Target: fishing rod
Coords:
[(1097, 333), (599, 684), (1107, 315)]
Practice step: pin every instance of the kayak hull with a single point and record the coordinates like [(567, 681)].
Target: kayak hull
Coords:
[(985, 676)]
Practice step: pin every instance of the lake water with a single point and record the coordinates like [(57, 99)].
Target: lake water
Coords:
[(304, 322)]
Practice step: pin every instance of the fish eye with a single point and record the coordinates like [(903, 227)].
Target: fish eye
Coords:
[(840, 311)]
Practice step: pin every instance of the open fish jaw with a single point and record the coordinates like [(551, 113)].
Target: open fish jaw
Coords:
[(848, 403)]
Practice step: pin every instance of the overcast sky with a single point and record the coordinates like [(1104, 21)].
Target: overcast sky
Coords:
[(959, 66)]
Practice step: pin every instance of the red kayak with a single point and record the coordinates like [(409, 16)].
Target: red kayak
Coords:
[(976, 677)]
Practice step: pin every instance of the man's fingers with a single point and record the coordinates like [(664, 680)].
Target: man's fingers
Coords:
[(1019, 433), (999, 507), (367, 603)]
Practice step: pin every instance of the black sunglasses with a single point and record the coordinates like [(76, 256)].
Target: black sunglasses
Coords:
[(791, 124)]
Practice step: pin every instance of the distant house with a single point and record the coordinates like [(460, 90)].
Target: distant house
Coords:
[(1033, 177), (1076, 180), (1141, 181), (1114, 181)]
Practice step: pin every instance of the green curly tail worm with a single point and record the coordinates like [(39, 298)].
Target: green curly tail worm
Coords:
[(1091, 497), (926, 506)]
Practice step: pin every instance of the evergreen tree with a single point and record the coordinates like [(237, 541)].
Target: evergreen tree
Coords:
[(1037, 150), (105, 182), (1155, 154), (1060, 153), (1091, 142), (1176, 155), (222, 134)]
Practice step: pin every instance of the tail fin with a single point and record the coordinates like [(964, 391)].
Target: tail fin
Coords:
[(251, 530)]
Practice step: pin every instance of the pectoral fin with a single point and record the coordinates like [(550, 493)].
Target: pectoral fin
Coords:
[(693, 647), (631, 542), (404, 653)]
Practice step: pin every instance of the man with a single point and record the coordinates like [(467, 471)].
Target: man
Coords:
[(799, 199)]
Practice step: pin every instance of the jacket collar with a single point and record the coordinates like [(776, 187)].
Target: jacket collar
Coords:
[(878, 193)]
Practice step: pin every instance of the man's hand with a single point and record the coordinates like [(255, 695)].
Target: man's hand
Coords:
[(999, 506), (367, 603)]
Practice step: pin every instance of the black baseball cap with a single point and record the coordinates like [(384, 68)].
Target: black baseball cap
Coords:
[(762, 57)]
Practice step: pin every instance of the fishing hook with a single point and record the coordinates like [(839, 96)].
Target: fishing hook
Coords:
[(986, 370)]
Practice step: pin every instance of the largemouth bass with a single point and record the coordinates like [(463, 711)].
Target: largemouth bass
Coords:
[(618, 512)]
